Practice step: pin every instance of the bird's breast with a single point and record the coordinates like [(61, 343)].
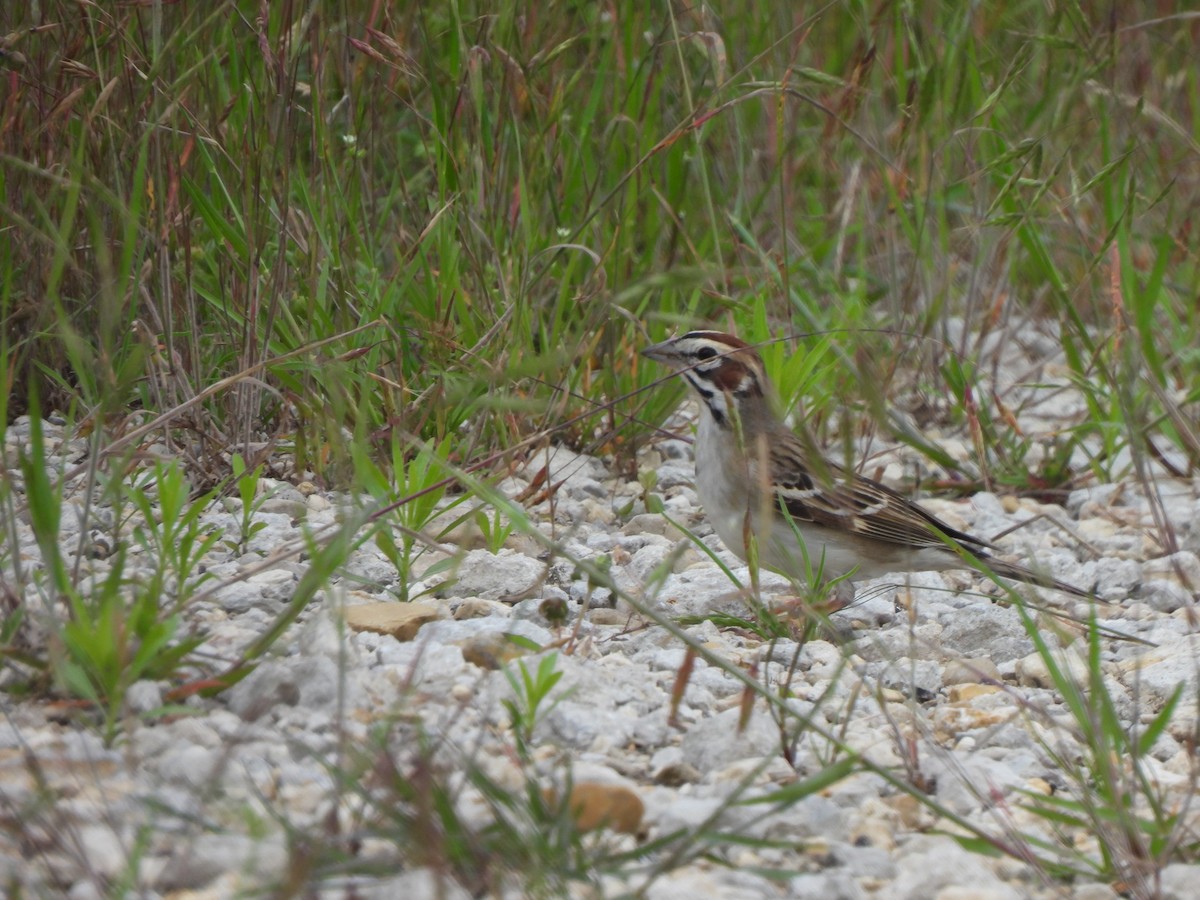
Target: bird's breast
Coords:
[(723, 483)]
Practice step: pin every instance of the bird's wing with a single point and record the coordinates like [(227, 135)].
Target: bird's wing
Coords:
[(838, 499)]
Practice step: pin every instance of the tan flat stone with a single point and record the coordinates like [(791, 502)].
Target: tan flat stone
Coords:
[(401, 620)]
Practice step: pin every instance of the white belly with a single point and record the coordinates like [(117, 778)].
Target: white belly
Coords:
[(730, 497)]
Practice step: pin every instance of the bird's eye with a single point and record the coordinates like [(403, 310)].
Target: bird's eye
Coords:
[(706, 353)]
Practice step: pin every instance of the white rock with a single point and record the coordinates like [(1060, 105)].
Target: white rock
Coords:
[(1165, 596), (865, 862), (416, 663), (923, 676), (105, 852), (929, 866), (143, 697), (1178, 881), (449, 631), (505, 576), (1033, 670), (424, 882), (986, 629), (836, 884), (1183, 568), (584, 726), (1160, 671), (312, 681), (189, 765), (715, 742), (1112, 578), (580, 474), (205, 857), (370, 567)]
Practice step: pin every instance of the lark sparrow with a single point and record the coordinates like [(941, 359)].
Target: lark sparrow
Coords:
[(754, 476)]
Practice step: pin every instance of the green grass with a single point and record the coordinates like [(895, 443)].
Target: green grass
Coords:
[(379, 247)]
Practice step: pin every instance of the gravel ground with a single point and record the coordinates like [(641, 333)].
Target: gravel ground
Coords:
[(926, 676)]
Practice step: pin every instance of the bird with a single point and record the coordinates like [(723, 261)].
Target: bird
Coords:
[(755, 476)]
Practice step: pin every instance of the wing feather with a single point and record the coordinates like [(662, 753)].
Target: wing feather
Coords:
[(845, 501)]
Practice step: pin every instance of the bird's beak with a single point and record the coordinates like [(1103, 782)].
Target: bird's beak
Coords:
[(659, 352)]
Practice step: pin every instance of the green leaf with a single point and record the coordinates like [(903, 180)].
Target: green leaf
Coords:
[(521, 641)]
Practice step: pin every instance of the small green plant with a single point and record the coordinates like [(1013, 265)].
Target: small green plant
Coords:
[(648, 479), (495, 529), (530, 691), (123, 626), (247, 482), (171, 532), (415, 491), (115, 636)]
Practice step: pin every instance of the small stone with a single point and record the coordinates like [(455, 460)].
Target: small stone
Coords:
[(426, 882), (401, 620), (1162, 670), (292, 508), (652, 523), (604, 616), (267, 591), (602, 598), (80, 890), (979, 670), (920, 678), (205, 857), (504, 576), (965, 693), (1039, 786), (864, 861), (595, 805), (448, 631), (578, 472), (1094, 892), (323, 635), (715, 742), (984, 630), (478, 608), (835, 884), (1032, 670), (668, 768), (143, 696), (420, 662), (1183, 568), (1115, 579), (970, 892), (103, 850), (1165, 596), (930, 866), (187, 766), (771, 770), (271, 684), (491, 650)]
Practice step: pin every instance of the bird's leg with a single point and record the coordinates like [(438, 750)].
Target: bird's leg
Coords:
[(795, 605)]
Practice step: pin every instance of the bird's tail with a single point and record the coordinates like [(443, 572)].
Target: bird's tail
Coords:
[(1029, 576)]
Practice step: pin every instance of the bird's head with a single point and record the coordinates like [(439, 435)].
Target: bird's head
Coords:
[(721, 367)]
